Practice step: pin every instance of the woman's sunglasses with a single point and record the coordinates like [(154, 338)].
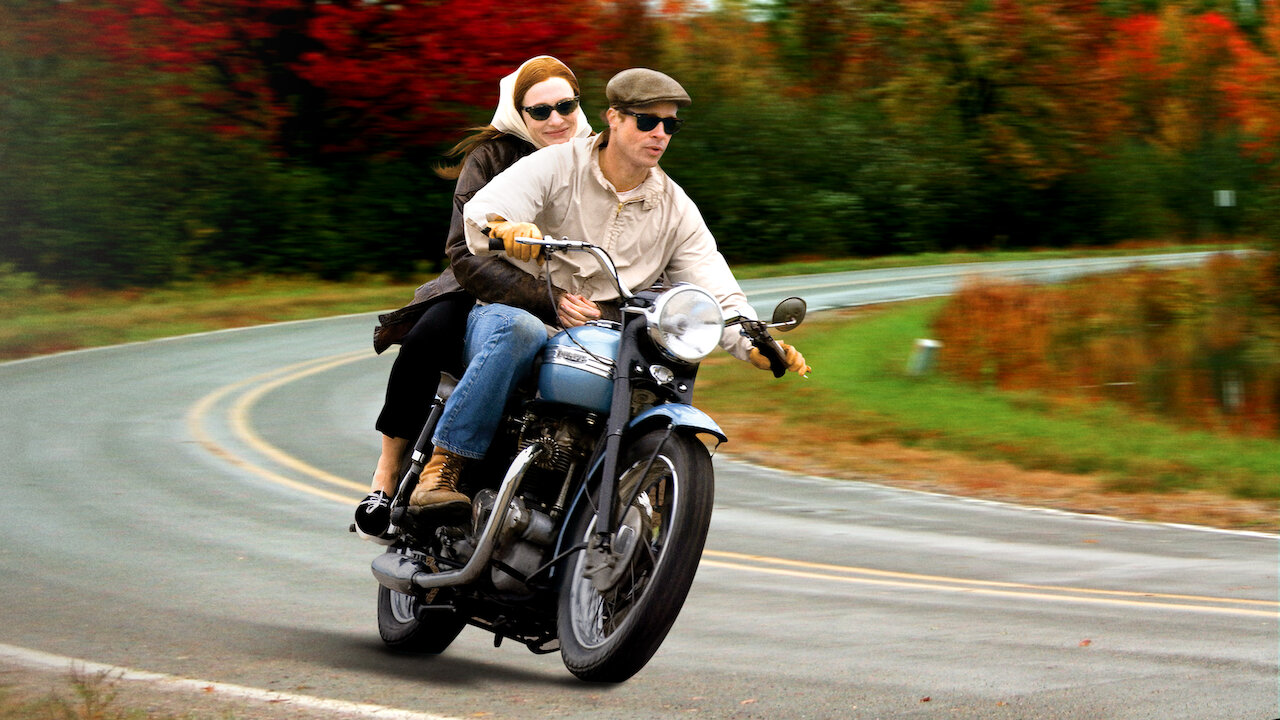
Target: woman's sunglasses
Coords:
[(646, 122), (543, 111)]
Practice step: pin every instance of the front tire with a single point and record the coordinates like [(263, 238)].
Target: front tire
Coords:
[(608, 635)]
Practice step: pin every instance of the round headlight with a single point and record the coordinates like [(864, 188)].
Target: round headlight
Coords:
[(686, 323)]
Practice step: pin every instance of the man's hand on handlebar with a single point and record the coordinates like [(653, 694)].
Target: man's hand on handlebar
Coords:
[(575, 310), (795, 361), (509, 231)]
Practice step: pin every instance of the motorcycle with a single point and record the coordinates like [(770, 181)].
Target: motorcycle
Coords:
[(591, 509)]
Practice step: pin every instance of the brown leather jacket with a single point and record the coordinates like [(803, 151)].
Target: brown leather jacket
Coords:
[(490, 278)]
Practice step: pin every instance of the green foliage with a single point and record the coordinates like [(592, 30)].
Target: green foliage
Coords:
[(87, 191), (120, 185), (15, 283), (1145, 191), (770, 194)]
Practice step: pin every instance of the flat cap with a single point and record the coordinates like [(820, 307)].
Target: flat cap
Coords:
[(641, 86)]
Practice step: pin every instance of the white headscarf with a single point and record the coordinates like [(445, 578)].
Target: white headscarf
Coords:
[(509, 119)]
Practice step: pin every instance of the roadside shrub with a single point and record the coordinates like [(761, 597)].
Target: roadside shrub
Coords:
[(1199, 345)]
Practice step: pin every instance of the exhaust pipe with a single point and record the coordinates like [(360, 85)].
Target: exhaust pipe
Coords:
[(407, 576)]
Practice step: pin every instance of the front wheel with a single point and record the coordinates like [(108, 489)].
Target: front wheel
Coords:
[(614, 615)]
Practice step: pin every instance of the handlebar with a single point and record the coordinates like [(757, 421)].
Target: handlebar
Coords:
[(551, 245), (496, 244), (757, 331)]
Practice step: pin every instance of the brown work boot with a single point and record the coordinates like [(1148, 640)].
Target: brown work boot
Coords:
[(437, 489)]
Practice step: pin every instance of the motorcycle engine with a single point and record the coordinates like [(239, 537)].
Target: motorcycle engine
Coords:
[(528, 529), (567, 440), (522, 540)]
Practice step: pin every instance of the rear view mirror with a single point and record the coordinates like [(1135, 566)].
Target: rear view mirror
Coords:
[(789, 314)]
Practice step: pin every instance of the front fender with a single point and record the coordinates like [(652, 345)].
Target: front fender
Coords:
[(680, 415)]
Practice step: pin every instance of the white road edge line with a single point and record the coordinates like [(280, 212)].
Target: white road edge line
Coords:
[(37, 660)]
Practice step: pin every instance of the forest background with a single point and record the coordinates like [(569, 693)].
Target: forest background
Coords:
[(144, 142)]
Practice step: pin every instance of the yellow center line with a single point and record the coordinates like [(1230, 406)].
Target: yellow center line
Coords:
[(259, 385), (960, 586), (240, 422), (917, 578), (198, 413)]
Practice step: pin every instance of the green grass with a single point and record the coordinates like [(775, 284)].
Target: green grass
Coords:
[(39, 321), (860, 389)]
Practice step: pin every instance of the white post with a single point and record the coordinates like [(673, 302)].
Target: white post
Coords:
[(923, 356)]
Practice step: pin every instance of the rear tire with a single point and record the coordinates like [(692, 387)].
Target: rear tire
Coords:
[(407, 624), (609, 636)]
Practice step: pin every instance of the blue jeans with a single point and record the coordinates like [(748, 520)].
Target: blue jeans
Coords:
[(499, 349)]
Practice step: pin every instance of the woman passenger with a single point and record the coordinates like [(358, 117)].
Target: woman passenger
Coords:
[(537, 106)]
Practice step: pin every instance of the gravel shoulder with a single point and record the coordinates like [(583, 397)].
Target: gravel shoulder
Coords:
[(754, 438)]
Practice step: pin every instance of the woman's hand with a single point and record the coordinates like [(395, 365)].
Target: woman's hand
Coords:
[(575, 310)]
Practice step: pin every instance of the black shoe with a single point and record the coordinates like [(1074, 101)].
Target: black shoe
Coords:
[(373, 517)]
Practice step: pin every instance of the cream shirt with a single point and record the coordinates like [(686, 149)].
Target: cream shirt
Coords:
[(657, 234)]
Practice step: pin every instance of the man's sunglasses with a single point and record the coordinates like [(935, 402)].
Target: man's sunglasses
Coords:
[(543, 111), (646, 122)]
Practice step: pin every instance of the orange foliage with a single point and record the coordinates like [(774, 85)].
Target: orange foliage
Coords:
[(1250, 87), (1183, 75), (1199, 345)]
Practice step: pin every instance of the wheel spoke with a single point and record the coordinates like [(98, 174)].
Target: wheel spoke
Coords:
[(612, 622), (604, 614)]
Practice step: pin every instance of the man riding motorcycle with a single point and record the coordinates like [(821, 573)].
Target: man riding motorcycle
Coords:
[(611, 190)]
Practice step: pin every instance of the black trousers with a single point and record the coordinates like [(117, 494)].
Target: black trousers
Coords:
[(432, 346)]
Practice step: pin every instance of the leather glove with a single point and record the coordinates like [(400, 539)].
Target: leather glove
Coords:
[(795, 361), (509, 231)]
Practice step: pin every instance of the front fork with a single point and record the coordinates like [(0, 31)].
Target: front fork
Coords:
[(628, 363), (619, 415)]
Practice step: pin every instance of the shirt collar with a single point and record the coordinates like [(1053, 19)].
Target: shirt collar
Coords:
[(651, 188)]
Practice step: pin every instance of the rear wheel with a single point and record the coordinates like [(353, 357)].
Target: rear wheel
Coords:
[(409, 624), (616, 610)]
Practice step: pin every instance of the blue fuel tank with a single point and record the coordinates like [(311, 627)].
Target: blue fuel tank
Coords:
[(577, 367)]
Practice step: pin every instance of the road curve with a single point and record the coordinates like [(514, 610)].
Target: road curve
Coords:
[(181, 506)]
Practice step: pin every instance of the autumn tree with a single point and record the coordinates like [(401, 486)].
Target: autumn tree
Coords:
[(1169, 70), (341, 75), (1018, 80), (297, 134), (1197, 114), (150, 139)]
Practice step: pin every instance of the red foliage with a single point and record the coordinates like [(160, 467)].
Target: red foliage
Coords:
[(1136, 51), (1184, 76), (341, 76), (1249, 86)]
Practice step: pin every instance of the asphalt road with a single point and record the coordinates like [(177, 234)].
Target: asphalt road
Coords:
[(181, 507)]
